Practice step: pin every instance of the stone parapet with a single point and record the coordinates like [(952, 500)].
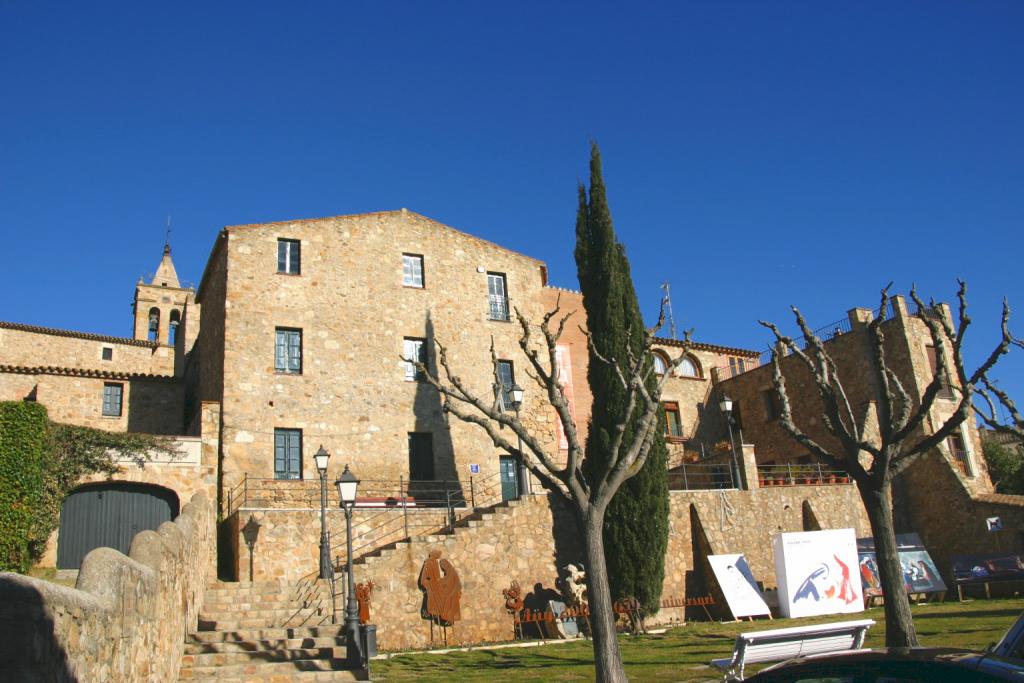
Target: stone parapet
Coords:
[(124, 620)]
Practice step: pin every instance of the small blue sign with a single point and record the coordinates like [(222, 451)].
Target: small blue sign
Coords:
[(474, 469)]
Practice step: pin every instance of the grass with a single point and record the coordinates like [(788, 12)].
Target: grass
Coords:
[(682, 654)]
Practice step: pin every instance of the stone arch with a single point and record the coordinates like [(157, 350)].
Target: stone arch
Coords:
[(173, 325), (153, 333)]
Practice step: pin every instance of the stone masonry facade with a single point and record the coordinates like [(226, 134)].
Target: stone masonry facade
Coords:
[(296, 339)]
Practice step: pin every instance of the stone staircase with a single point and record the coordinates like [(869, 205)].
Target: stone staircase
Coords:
[(266, 632)]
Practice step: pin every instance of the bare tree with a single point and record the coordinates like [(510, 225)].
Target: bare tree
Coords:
[(874, 460), (588, 498), (992, 396)]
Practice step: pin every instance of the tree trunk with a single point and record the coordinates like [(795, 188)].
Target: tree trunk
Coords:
[(899, 623), (607, 657)]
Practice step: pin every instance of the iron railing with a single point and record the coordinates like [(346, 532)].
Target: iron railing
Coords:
[(253, 492), (498, 308), (794, 474), (390, 510), (701, 476)]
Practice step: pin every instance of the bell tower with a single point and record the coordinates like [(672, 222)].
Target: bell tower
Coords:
[(161, 304)]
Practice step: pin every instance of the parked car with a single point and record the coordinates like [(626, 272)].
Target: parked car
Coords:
[(1011, 645), (895, 665)]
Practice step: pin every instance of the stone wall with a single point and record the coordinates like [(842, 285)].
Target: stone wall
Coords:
[(353, 311), (951, 519), (152, 405), (287, 548), (126, 618), (906, 350), (29, 346), (529, 540)]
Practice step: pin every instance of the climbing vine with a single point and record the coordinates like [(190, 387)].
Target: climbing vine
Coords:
[(41, 462)]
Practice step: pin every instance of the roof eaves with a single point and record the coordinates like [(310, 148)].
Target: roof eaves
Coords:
[(56, 332)]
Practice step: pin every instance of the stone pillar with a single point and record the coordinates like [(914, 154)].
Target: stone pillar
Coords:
[(899, 306), (860, 316), (748, 466)]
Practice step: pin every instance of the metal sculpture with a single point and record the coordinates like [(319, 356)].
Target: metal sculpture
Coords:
[(363, 592), (443, 593), (514, 605)]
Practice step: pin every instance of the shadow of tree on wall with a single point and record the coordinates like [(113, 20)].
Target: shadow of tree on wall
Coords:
[(444, 483), (29, 647)]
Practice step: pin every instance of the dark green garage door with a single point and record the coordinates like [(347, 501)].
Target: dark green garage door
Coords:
[(110, 515)]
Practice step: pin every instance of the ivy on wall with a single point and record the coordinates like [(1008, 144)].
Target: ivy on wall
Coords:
[(41, 462), (23, 441)]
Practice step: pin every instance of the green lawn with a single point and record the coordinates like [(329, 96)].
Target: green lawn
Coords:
[(682, 653)]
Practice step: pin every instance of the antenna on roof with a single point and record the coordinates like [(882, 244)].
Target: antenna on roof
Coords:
[(668, 300)]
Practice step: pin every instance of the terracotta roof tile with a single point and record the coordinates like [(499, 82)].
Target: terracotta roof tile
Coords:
[(79, 372), (79, 335)]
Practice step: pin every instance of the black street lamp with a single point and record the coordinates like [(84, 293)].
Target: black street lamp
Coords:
[(726, 406), (326, 570), (347, 485), (517, 394)]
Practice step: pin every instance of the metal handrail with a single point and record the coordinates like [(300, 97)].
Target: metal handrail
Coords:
[(791, 474), (700, 477)]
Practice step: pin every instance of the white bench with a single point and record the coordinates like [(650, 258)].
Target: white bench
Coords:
[(786, 643)]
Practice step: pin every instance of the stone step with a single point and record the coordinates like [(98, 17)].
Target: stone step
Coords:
[(228, 595), (221, 659), (253, 670), (245, 623), (271, 633), (219, 607), (292, 610), (266, 644)]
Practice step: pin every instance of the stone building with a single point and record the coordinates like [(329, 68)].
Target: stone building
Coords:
[(945, 495), (296, 338)]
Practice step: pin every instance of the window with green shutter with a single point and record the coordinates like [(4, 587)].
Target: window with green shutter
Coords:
[(287, 454), (288, 351)]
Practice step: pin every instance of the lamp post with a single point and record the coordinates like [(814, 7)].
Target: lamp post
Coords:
[(326, 570), (518, 393), (726, 406), (347, 485)]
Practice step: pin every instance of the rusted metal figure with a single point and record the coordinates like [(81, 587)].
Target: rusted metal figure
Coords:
[(443, 593), (363, 592)]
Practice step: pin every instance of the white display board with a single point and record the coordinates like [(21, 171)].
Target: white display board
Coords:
[(738, 585), (817, 573)]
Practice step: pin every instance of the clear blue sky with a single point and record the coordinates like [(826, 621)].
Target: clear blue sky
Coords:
[(757, 154)]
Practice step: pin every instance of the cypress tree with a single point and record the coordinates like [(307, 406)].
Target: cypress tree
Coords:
[(636, 523)]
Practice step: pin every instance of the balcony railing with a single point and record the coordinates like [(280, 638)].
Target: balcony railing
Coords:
[(700, 476), (796, 474), (497, 307)]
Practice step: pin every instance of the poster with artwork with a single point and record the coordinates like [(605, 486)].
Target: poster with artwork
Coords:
[(817, 573), (919, 572), (738, 585)]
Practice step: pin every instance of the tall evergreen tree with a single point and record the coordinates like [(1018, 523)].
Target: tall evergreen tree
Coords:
[(636, 523)]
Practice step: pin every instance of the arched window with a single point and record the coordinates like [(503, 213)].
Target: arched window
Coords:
[(172, 339), (660, 364), (154, 324), (689, 367)]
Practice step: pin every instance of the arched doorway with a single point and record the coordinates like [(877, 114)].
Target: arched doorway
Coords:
[(109, 515)]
